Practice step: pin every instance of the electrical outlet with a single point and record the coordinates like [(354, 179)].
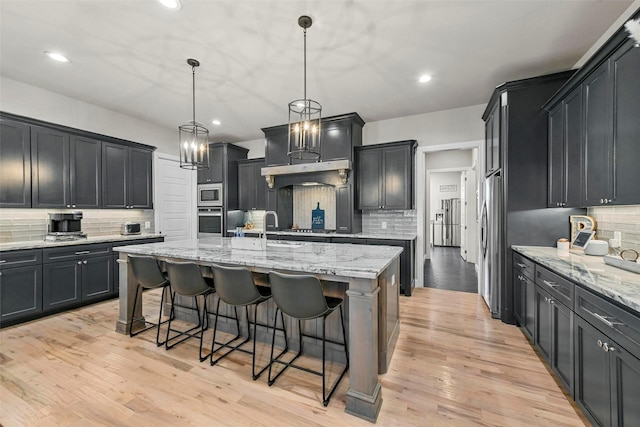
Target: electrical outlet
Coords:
[(617, 235), (147, 224), (384, 225)]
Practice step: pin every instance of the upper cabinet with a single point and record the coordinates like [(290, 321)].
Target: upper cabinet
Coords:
[(385, 175), (15, 164), (126, 177), (252, 187), (492, 140), (593, 130), (215, 172), (339, 135)]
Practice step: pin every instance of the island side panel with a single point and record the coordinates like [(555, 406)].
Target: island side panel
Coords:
[(364, 397), (127, 294), (388, 314)]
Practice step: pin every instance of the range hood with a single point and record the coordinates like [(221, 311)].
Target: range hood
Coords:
[(342, 167)]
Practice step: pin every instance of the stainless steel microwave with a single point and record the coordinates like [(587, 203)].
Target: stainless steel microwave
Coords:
[(209, 195)]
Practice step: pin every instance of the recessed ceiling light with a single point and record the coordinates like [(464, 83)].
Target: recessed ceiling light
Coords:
[(171, 4), (425, 78), (216, 122), (57, 56)]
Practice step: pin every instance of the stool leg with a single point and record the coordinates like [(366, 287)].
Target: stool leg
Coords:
[(205, 326), (325, 401)]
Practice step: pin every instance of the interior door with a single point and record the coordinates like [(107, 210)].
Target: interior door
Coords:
[(175, 195)]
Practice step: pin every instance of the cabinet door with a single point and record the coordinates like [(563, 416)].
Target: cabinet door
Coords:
[(397, 190), (215, 172), (592, 373), (529, 307), (562, 344), (336, 142), (626, 123), (246, 186), (625, 387), (488, 140), (140, 179), (20, 292), (115, 175), (276, 147), (86, 179), (556, 157), (368, 170), (50, 168), (261, 186), (15, 164), (344, 208), (543, 323), (573, 138), (97, 278), (61, 284), (598, 143)]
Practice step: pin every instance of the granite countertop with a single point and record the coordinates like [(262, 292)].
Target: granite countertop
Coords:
[(309, 257), (39, 244), (589, 271), (385, 236)]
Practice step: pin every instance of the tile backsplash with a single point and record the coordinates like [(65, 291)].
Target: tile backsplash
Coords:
[(17, 225), (625, 219), (306, 199), (395, 222)]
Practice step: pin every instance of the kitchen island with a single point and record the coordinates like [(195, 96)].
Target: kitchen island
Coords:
[(369, 274)]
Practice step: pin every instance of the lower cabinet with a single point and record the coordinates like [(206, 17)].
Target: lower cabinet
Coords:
[(20, 285)]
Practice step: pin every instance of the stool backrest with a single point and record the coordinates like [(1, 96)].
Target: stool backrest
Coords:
[(235, 285), (298, 296), (146, 271), (186, 279)]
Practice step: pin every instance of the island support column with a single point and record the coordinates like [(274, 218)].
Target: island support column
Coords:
[(127, 294), (364, 397)]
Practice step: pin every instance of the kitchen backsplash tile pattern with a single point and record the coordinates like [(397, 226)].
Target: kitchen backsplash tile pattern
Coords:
[(306, 199), (389, 222), (17, 225), (625, 219)]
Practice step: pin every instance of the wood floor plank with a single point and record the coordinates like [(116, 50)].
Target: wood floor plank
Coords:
[(453, 365)]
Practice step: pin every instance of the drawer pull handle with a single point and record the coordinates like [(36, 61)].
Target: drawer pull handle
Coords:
[(606, 320), (552, 284), (83, 252), (599, 343), (521, 265), (2, 261)]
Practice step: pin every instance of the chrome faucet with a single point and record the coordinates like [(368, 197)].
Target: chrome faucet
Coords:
[(264, 222)]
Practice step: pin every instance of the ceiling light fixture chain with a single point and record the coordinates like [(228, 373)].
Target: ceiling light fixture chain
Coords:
[(305, 115), (193, 137)]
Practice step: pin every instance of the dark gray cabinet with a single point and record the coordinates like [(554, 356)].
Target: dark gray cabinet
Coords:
[(50, 175), (524, 293), (76, 274), (344, 209), (126, 177), (15, 164), (385, 175), (252, 187), (406, 262), (85, 180), (492, 140), (215, 172), (276, 146), (20, 285)]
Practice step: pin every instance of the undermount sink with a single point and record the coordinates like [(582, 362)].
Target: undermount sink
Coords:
[(284, 244), (258, 244)]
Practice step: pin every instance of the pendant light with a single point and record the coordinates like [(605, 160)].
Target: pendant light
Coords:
[(304, 116), (194, 138)]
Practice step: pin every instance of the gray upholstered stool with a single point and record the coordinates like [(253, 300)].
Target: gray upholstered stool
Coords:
[(301, 297), (148, 275), (187, 281), (235, 287)]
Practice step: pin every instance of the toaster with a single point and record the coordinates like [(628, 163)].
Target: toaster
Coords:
[(129, 228)]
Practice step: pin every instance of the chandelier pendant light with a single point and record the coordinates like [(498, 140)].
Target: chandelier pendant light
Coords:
[(194, 138), (305, 116)]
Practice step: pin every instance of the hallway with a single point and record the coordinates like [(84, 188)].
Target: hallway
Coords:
[(447, 270)]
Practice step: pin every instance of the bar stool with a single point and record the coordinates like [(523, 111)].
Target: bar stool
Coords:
[(235, 287), (148, 275), (187, 281), (301, 297)]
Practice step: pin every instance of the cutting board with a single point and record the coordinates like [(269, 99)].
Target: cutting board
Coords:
[(317, 218)]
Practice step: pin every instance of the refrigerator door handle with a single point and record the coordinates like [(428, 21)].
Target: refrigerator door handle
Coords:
[(483, 230)]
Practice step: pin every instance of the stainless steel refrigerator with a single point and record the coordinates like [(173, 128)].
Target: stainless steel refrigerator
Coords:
[(491, 236), (446, 230)]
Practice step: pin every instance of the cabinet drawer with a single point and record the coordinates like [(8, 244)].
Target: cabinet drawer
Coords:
[(557, 286), (523, 265), (76, 251), (619, 324), (22, 258)]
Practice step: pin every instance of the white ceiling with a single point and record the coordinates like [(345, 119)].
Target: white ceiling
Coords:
[(363, 56)]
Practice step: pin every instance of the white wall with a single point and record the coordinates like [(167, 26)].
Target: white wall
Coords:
[(30, 101), (436, 196)]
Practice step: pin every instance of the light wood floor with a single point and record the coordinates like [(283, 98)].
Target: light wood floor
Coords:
[(453, 365)]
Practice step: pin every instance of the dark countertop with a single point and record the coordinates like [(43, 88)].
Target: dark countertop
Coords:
[(590, 272), (39, 244)]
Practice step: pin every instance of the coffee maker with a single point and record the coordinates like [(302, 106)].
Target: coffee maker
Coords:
[(65, 226)]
